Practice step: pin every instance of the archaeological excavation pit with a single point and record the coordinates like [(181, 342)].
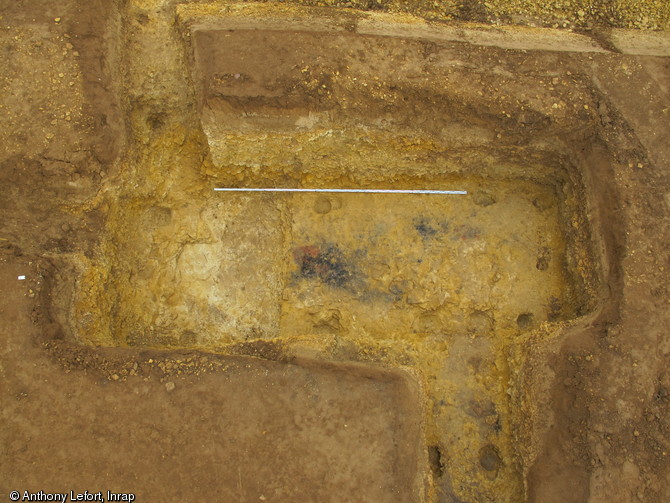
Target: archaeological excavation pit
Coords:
[(448, 285)]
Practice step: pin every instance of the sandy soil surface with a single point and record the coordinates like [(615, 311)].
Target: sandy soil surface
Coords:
[(311, 372)]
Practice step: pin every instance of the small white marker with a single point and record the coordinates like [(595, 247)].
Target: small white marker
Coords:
[(21, 278), (348, 191)]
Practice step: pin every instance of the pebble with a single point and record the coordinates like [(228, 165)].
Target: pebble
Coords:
[(482, 198), (169, 386)]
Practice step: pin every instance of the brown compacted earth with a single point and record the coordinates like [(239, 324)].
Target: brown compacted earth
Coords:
[(509, 346)]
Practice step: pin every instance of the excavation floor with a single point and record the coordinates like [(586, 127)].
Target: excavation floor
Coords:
[(380, 266)]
